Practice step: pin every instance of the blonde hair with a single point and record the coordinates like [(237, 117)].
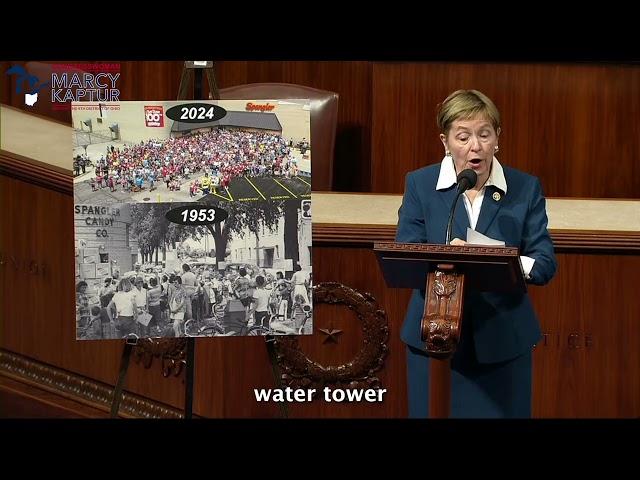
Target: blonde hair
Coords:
[(466, 104)]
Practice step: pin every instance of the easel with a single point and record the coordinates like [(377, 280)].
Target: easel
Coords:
[(191, 70)]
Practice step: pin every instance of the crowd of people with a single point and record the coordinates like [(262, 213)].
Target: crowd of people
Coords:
[(157, 303), (214, 158)]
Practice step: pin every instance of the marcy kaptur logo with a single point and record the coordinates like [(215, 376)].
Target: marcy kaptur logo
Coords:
[(30, 83), (72, 82)]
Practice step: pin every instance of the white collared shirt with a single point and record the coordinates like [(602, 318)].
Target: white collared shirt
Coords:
[(448, 178)]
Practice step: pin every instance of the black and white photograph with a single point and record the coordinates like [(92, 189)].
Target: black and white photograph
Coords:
[(134, 152), (139, 274)]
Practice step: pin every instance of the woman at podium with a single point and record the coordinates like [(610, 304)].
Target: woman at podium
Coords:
[(491, 368)]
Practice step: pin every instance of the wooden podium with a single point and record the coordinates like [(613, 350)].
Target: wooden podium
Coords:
[(446, 272)]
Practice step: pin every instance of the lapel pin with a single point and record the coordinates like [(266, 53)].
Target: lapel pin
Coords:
[(496, 196)]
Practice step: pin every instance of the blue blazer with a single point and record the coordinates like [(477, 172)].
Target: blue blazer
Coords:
[(504, 325)]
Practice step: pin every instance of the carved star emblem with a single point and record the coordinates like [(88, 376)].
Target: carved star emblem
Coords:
[(331, 333)]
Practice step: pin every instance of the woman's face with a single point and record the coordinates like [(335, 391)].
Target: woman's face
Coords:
[(472, 144)]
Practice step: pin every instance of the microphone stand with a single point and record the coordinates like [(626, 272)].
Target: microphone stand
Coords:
[(453, 210)]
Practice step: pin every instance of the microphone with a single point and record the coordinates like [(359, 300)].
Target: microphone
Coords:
[(466, 179)]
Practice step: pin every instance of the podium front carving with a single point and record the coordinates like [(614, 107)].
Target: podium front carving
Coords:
[(443, 312)]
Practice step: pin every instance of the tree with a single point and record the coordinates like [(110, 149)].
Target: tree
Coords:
[(153, 231), (251, 216), (145, 228)]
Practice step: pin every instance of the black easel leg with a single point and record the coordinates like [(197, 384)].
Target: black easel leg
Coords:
[(188, 392), (124, 366), (213, 86), (271, 350), (197, 84)]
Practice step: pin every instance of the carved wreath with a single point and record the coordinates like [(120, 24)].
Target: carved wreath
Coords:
[(299, 371)]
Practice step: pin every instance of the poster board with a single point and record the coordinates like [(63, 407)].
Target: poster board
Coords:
[(250, 159)]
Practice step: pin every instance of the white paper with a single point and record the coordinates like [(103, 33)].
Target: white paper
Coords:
[(476, 238), (527, 264)]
